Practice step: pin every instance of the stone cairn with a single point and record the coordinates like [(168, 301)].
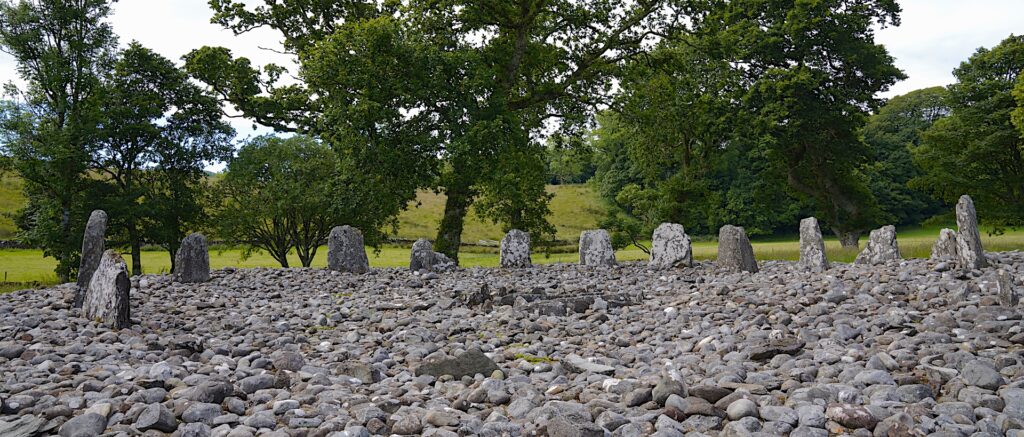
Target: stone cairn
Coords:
[(596, 248), (734, 250), (881, 247), (945, 246), (968, 240), (93, 245), (107, 297), (515, 250), (192, 262), (346, 251), (812, 247), (670, 247), (423, 257)]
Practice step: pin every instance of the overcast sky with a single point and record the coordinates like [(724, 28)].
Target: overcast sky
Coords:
[(935, 36)]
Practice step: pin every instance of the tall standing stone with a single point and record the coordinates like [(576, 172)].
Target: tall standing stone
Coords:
[(734, 250), (346, 251), (515, 250), (192, 262), (945, 246), (107, 297), (93, 245), (881, 247), (968, 239), (670, 247), (812, 246), (596, 248), (1007, 293)]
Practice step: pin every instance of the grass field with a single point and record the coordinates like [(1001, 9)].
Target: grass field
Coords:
[(29, 266), (11, 200)]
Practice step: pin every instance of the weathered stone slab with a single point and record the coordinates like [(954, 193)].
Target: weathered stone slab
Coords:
[(577, 364), (107, 297), (346, 251), (670, 247), (881, 247), (787, 346), (734, 250), (515, 250), (192, 262), (423, 257), (812, 246), (945, 246), (596, 248), (468, 363), (968, 238), (93, 245), (1007, 292)]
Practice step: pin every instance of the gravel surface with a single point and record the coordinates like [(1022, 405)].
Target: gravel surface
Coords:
[(907, 348)]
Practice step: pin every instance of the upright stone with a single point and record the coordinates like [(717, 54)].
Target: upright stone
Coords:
[(346, 251), (515, 250), (812, 246), (422, 257), (1007, 293), (596, 248), (881, 247), (106, 299), (670, 247), (945, 246), (734, 250), (93, 245), (968, 240), (192, 262)]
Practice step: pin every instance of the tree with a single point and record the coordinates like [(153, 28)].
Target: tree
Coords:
[(891, 134), (283, 194), (976, 150), (569, 161), (810, 71), (60, 47), (467, 85), (157, 132)]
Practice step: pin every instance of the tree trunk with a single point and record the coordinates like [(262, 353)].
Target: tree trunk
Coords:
[(135, 241), (64, 267), (173, 251), (848, 239), (449, 235)]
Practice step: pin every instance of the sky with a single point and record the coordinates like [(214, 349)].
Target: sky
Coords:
[(932, 40)]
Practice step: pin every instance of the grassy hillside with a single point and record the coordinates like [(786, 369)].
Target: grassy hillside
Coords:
[(11, 200)]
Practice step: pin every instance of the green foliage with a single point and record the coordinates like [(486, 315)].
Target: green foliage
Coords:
[(1018, 114), (283, 194), (891, 134), (977, 150), (569, 160), (46, 126)]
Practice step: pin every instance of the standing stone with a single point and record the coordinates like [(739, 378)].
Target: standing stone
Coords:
[(670, 247), (945, 246), (106, 299), (596, 248), (192, 262), (968, 239), (422, 257), (734, 250), (93, 245), (346, 251), (881, 247), (1007, 294), (515, 250), (812, 246)]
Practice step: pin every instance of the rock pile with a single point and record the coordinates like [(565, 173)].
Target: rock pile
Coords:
[(670, 247), (93, 245), (346, 251), (734, 250)]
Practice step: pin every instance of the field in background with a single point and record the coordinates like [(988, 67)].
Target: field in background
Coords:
[(28, 265), (11, 200)]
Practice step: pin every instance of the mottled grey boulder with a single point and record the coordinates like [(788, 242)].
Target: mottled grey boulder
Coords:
[(93, 245), (192, 262), (734, 250), (596, 248), (346, 251), (107, 297), (968, 238), (515, 250), (469, 364), (881, 247), (423, 257), (670, 247), (945, 246), (1007, 292), (812, 246)]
